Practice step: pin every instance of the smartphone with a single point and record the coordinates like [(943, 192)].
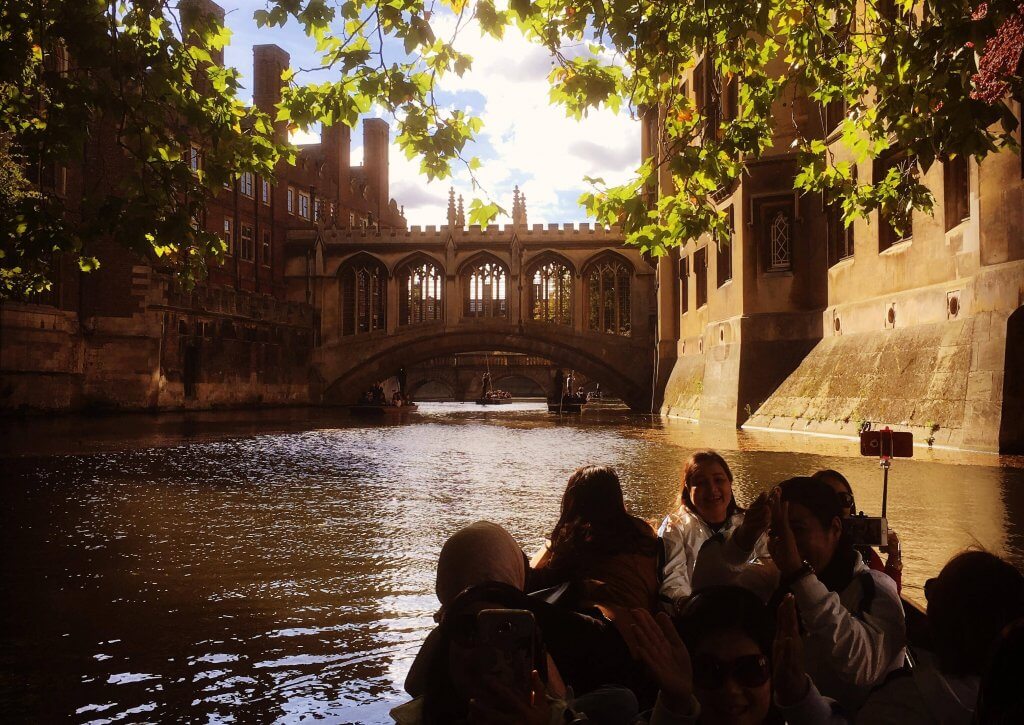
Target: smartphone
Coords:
[(867, 530), (509, 633), (887, 444)]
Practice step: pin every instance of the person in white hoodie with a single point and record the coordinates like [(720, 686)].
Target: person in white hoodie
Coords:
[(852, 618), (972, 599), (706, 507)]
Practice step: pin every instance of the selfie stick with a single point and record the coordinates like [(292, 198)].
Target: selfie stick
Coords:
[(885, 453)]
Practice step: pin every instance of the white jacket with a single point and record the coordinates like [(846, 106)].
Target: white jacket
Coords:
[(852, 639), (683, 533)]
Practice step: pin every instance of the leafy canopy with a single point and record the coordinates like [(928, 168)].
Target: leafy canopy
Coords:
[(82, 78)]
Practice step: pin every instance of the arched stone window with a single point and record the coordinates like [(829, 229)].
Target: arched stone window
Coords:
[(363, 296), (484, 285), (420, 293), (608, 288), (551, 292)]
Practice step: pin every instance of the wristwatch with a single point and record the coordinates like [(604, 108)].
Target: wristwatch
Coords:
[(805, 570)]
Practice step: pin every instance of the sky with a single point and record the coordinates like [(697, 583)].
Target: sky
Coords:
[(524, 141)]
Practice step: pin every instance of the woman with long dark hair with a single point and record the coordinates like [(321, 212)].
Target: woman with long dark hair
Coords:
[(607, 554), (706, 507)]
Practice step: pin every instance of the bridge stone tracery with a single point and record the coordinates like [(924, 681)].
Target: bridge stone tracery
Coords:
[(392, 298)]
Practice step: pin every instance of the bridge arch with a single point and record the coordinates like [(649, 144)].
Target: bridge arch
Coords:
[(618, 369), (417, 386), (522, 385)]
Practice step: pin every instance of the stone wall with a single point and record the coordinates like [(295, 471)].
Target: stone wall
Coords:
[(209, 348)]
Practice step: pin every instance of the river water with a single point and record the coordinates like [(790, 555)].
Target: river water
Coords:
[(279, 566)]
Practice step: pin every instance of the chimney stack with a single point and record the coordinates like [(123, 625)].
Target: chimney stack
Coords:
[(195, 16), (337, 145), (268, 63), (375, 161)]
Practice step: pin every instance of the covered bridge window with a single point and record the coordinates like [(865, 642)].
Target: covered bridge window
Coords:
[(363, 296), (551, 293), (485, 288), (421, 287), (608, 305)]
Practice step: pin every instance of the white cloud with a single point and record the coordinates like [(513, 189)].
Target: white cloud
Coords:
[(525, 140)]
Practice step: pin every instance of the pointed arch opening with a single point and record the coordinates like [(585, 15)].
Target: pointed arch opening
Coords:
[(363, 292), (485, 288), (420, 291), (551, 290), (608, 286)]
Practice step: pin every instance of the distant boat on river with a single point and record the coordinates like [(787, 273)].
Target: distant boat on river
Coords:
[(495, 397), (566, 404), (373, 410)]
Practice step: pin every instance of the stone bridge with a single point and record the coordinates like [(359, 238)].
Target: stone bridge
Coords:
[(392, 299)]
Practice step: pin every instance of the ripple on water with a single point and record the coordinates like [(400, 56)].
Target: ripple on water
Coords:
[(290, 575)]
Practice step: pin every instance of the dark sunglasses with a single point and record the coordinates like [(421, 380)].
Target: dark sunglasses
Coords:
[(710, 673), (846, 500)]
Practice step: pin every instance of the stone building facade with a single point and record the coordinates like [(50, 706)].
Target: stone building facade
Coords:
[(803, 325), (127, 337)]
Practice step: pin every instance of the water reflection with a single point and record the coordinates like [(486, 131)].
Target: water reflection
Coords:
[(271, 566)]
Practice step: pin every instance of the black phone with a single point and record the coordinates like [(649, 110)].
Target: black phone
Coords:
[(887, 444), (510, 634)]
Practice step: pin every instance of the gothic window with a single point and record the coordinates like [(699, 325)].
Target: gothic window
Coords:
[(363, 296), (608, 288), (776, 232), (484, 284), (780, 235), (551, 293), (421, 290)]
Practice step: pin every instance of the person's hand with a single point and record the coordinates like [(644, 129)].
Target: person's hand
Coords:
[(755, 522), (666, 657), (500, 704), (894, 561), (789, 676), (781, 542), (892, 546)]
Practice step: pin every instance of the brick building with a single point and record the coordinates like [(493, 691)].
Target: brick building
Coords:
[(127, 337)]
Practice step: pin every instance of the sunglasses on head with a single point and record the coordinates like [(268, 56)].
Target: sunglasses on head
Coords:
[(711, 673)]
